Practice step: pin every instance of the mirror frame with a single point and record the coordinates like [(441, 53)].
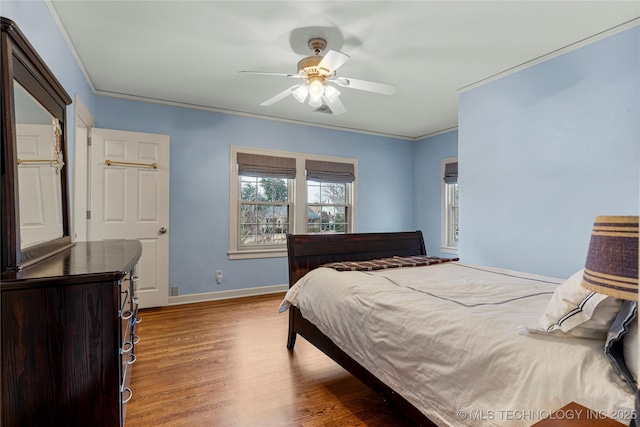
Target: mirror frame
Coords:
[(19, 61)]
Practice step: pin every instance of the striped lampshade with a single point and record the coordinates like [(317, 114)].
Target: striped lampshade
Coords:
[(612, 260)]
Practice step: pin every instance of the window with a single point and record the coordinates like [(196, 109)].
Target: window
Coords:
[(273, 193), (327, 207), (264, 211), (328, 196), (450, 211)]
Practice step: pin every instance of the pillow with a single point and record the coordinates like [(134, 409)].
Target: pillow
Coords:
[(621, 343), (578, 312)]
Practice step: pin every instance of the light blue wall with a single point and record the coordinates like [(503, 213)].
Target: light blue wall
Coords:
[(37, 24), (545, 150), (199, 183), (429, 153)]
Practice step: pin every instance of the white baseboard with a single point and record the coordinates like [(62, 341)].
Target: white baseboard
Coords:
[(220, 295)]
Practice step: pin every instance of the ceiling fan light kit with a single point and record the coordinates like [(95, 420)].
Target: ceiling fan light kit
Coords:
[(318, 71), (331, 93), (301, 92)]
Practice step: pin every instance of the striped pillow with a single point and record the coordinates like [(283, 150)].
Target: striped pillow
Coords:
[(578, 312)]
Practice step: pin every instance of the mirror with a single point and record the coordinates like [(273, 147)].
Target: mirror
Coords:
[(39, 166), (34, 205)]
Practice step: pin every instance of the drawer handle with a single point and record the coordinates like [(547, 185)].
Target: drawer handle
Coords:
[(135, 278), (126, 347), (136, 339), (135, 300), (132, 359), (126, 315), (130, 395), (124, 299)]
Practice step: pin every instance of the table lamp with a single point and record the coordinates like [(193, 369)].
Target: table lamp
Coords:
[(612, 261)]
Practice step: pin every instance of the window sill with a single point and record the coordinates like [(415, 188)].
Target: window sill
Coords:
[(449, 250), (257, 253)]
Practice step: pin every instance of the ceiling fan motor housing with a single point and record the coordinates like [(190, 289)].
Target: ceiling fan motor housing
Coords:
[(309, 66)]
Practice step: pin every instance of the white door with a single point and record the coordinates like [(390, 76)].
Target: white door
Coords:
[(130, 200)]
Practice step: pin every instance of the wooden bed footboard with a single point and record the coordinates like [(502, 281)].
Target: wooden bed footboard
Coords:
[(307, 252)]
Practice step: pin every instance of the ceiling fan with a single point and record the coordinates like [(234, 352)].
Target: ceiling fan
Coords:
[(318, 73)]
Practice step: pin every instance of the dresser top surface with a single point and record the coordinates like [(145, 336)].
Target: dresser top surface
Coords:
[(103, 260)]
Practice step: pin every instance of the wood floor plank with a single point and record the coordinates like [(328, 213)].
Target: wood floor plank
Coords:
[(225, 363)]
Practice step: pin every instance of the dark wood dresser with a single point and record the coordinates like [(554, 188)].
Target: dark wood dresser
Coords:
[(68, 337)]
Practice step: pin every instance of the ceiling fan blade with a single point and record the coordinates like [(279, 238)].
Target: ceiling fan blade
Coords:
[(295, 76), (336, 107), (383, 88), (333, 60), (280, 96)]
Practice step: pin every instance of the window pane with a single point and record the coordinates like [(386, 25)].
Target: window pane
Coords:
[(263, 224), (454, 231), (248, 214), (340, 221), (334, 193), (452, 215), (249, 189), (313, 219), (313, 192), (258, 189), (327, 219), (274, 189)]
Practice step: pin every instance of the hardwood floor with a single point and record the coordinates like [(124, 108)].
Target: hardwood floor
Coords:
[(225, 363)]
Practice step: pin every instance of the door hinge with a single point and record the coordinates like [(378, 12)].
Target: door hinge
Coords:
[(88, 140), (88, 214)]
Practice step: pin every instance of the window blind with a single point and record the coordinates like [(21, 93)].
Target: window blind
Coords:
[(330, 171), (451, 173), (268, 166)]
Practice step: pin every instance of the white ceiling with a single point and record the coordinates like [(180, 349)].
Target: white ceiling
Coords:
[(189, 52)]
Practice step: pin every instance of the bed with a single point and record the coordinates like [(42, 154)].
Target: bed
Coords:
[(450, 344)]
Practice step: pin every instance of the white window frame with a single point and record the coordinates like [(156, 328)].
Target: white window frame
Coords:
[(445, 246), (298, 200)]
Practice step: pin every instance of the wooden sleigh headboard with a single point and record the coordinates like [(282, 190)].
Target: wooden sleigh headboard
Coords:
[(309, 251)]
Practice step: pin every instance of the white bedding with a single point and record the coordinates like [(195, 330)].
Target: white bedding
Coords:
[(451, 339)]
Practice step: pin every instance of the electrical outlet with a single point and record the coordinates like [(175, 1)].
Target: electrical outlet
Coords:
[(174, 291), (219, 276)]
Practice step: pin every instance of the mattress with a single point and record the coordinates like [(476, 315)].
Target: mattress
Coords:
[(452, 339)]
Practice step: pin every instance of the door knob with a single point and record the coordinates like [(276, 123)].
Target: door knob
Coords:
[(162, 230)]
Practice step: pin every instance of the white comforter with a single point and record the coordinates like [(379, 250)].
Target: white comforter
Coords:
[(451, 339)]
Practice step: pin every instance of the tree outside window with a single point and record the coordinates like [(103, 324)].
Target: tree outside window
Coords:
[(264, 211)]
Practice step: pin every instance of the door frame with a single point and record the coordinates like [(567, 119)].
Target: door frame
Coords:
[(83, 122)]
